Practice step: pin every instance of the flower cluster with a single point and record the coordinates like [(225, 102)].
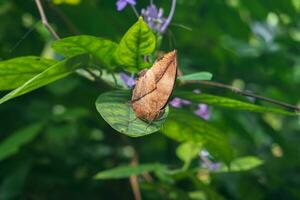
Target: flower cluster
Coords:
[(202, 110), (152, 15)]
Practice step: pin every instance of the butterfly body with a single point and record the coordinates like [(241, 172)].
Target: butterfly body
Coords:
[(154, 87)]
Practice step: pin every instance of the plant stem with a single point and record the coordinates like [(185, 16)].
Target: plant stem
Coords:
[(165, 25), (134, 180), (55, 35), (135, 11), (249, 94), (45, 20)]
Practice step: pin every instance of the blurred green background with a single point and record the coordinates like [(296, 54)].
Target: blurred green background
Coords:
[(253, 45)]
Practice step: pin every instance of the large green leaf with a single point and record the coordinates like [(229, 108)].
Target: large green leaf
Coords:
[(242, 164), (115, 108), (53, 73), (199, 76), (137, 42), (10, 145), (229, 103), (184, 126), (127, 171), (100, 49), (16, 71)]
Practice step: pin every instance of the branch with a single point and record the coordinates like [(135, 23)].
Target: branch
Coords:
[(55, 35), (248, 94), (45, 20), (134, 180)]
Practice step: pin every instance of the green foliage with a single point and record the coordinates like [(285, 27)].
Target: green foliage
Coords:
[(116, 110), (100, 49), (242, 164), (55, 72), (127, 171), (230, 103), (187, 151), (12, 184), (137, 42), (199, 76), (14, 142), (16, 71), (190, 128), (250, 44)]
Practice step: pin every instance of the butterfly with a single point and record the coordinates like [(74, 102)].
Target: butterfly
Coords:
[(154, 87)]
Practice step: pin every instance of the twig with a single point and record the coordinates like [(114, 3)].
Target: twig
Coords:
[(55, 35), (45, 20), (249, 94), (134, 180)]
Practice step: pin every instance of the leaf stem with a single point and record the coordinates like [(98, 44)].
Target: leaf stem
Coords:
[(135, 11), (248, 94)]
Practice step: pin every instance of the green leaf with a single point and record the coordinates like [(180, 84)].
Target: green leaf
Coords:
[(199, 76), (115, 109), (16, 71), (184, 126), (242, 164), (230, 103), (187, 151), (100, 49), (11, 145), (53, 73), (137, 42), (127, 171)]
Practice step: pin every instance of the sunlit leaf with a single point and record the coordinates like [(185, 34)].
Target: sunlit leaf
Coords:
[(187, 151), (242, 164), (127, 171), (16, 71), (115, 109), (10, 145), (53, 73), (100, 49), (137, 42), (199, 76)]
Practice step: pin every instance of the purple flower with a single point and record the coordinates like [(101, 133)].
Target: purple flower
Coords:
[(203, 111), (121, 4), (207, 162), (178, 102), (213, 166), (154, 17), (128, 80)]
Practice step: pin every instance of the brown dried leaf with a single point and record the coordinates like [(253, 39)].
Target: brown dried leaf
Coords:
[(154, 87)]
